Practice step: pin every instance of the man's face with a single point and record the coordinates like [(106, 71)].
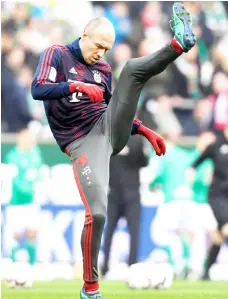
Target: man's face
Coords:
[(95, 46)]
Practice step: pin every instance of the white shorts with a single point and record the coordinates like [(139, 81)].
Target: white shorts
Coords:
[(176, 215), (205, 217), (182, 216), (20, 218)]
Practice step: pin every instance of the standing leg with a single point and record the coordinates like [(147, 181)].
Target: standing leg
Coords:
[(206, 223), (165, 232), (31, 246), (91, 172), (33, 219), (133, 212), (211, 259), (219, 207), (113, 215)]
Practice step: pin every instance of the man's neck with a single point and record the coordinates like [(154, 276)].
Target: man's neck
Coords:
[(81, 46)]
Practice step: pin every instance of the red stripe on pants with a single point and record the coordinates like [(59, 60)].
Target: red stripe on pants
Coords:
[(88, 268)]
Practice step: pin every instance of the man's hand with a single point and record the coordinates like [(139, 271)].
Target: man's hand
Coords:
[(93, 91), (156, 140)]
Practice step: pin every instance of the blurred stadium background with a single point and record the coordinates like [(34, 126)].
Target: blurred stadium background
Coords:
[(186, 100)]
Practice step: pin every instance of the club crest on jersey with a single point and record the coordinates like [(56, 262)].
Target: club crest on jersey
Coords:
[(97, 76)]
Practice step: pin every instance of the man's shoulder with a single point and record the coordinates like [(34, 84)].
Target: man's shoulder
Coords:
[(59, 48)]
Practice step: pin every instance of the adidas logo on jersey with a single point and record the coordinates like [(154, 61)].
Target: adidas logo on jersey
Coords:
[(72, 71)]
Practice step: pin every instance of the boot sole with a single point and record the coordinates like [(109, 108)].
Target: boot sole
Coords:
[(181, 13)]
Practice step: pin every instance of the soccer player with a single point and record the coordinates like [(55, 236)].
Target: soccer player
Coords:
[(173, 226), (90, 124), (217, 152), (22, 213), (201, 212)]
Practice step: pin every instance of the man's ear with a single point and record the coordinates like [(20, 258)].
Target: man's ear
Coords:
[(84, 34)]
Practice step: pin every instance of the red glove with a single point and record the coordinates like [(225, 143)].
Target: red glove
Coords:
[(156, 140), (93, 91)]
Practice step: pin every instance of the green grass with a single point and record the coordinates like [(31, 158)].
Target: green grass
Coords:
[(118, 290)]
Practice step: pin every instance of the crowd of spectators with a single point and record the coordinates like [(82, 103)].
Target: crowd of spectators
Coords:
[(189, 97)]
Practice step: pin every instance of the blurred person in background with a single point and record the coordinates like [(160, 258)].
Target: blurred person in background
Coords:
[(25, 77), (75, 85), (219, 102), (220, 54), (203, 213), (14, 105), (56, 36), (173, 226), (22, 212), (210, 26), (216, 17), (124, 197), (6, 47), (185, 80), (203, 32), (155, 23), (6, 41), (33, 38), (217, 152), (205, 36), (145, 47), (73, 18), (199, 119), (136, 25), (185, 85), (165, 118), (118, 14), (19, 21), (150, 96), (120, 57), (19, 17)]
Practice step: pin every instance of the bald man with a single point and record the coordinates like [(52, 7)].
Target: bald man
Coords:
[(91, 124)]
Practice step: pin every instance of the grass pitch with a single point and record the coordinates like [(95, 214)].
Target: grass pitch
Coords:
[(119, 290)]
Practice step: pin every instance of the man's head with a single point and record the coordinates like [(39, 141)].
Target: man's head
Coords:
[(97, 39)]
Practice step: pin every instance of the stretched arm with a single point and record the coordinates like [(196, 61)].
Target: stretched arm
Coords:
[(44, 86), (208, 153)]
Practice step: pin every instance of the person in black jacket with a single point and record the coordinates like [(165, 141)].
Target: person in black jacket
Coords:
[(124, 197), (15, 110), (218, 195)]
